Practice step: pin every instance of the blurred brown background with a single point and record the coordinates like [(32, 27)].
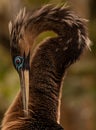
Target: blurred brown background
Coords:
[(78, 110)]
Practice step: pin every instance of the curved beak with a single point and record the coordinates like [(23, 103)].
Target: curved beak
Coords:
[(24, 81)]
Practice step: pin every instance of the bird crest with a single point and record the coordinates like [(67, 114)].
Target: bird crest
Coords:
[(18, 20)]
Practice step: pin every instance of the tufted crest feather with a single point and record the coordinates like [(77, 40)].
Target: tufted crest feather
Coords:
[(10, 27), (21, 15)]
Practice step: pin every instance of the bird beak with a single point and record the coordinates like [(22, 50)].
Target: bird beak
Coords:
[(25, 90), (25, 86)]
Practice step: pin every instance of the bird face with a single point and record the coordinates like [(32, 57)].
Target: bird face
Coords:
[(21, 57), (22, 66)]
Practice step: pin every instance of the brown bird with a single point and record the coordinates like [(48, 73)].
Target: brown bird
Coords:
[(41, 72)]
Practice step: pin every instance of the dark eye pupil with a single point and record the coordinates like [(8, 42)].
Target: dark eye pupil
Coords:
[(18, 61)]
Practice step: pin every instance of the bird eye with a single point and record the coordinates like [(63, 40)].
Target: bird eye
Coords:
[(19, 61)]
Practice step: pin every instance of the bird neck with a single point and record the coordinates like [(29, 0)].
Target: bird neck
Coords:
[(45, 102), (45, 88)]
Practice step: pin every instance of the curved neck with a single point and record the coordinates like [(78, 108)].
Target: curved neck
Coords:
[(45, 86), (50, 60)]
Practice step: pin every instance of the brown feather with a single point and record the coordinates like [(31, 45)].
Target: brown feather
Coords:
[(48, 63)]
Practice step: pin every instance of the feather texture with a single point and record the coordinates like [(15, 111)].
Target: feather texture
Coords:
[(48, 63)]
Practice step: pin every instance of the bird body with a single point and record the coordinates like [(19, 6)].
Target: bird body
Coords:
[(45, 67)]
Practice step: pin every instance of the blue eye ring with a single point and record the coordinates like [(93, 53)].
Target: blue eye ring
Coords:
[(19, 62)]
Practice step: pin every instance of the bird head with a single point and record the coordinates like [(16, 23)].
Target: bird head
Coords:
[(20, 52)]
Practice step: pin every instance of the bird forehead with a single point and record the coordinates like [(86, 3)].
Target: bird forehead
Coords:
[(19, 44)]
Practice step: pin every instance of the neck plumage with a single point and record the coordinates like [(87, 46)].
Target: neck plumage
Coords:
[(50, 60), (45, 85)]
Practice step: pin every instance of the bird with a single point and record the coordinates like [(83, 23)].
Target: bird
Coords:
[(42, 70)]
